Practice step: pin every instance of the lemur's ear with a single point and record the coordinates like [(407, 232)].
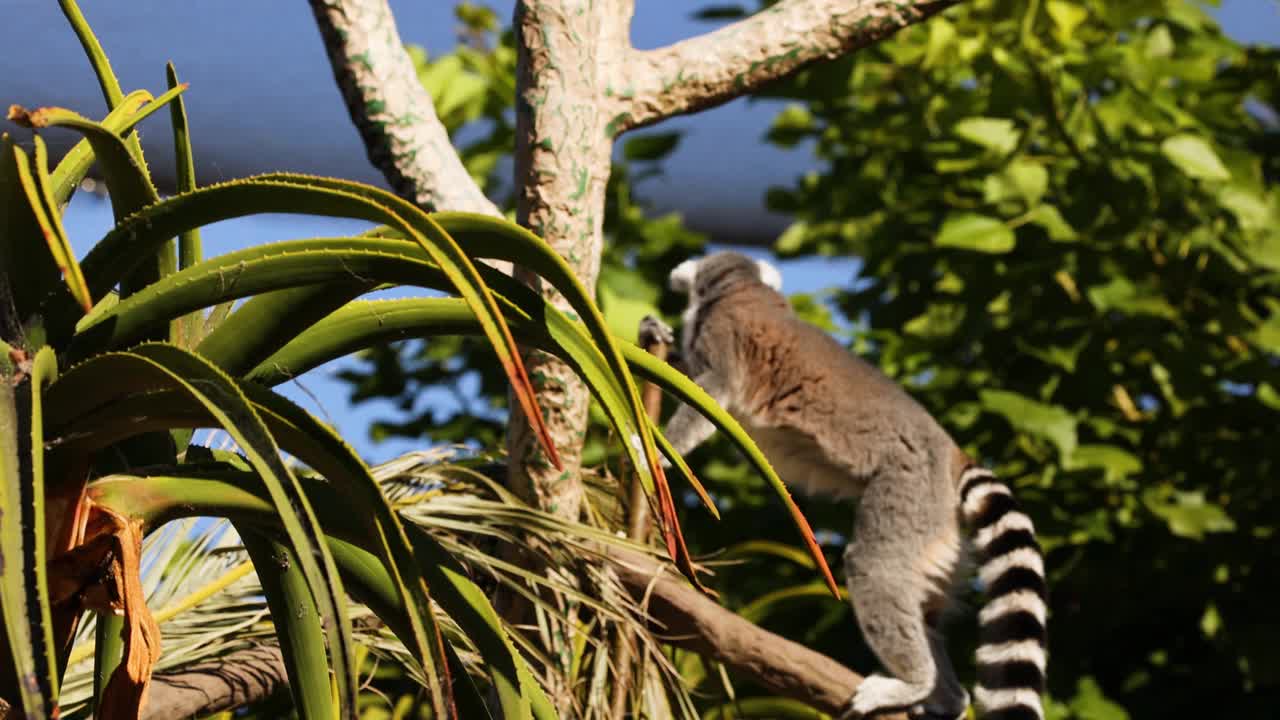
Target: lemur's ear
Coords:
[(769, 275), (681, 278)]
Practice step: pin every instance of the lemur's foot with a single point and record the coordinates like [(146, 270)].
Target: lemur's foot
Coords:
[(878, 693), (655, 332)]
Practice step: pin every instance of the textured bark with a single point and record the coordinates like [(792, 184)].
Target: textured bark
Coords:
[(393, 112), (567, 50), (685, 618), (734, 60), (680, 615), (241, 678)]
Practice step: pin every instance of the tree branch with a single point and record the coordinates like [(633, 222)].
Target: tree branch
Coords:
[(688, 619), (393, 112), (681, 616), (241, 678), (721, 65)]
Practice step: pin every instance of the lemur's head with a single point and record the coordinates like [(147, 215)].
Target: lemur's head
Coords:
[(719, 271)]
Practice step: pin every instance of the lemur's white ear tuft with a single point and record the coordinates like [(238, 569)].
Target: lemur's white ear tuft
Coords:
[(769, 275), (681, 278)]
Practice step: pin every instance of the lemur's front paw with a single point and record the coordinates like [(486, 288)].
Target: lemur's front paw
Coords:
[(655, 332)]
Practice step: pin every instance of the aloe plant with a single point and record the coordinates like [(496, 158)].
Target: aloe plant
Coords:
[(108, 363)]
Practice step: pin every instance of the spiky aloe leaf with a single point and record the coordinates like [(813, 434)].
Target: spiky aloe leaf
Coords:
[(190, 250), (136, 107), (128, 182), (24, 583), (239, 495), (362, 324), (323, 260), (488, 237), (108, 652), (151, 367), (107, 79), (34, 178), (297, 621), (267, 321), (22, 246), (320, 448), (189, 246), (323, 450), (131, 242)]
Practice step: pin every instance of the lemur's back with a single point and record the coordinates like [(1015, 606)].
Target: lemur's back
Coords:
[(811, 385)]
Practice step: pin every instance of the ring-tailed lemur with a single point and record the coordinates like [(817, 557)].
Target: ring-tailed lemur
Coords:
[(832, 424)]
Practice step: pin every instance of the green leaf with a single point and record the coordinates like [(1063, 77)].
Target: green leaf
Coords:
[(1049, 422), (136, 107), (1048, 217), (625, 298), (242, 497), (1066, 16), (1250, 207), (317, 445), (22, 243), (1021, 179), (34, 178), (112, 376), (980, 233), (189, 246), (128, 184), (24, 583), (354, 327), (1115, 462), (652, 146), (128, 242), (1194, 156), (266, 322), (1120, 294), (107, 79), (1187, 513), (1090, 703), (996, 134), (297, 623)]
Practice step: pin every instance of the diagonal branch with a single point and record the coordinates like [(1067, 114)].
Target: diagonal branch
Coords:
[(393, 112), (241, 678), (688, 619), (721, 65), (681, 616)]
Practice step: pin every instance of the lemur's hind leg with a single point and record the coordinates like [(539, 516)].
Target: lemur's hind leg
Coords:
[(888, 589), (949, 699)]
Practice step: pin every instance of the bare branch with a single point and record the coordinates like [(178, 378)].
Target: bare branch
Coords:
[(690, 620), (682, 617), (393, 112), (241, 678), (736, 59)]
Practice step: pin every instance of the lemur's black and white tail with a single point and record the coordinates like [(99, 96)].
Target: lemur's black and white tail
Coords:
[(1012, 625)]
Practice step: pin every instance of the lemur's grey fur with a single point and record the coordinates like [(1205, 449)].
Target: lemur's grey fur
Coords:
[(832, 424)]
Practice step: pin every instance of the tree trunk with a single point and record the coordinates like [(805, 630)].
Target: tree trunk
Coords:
[(567, 51)]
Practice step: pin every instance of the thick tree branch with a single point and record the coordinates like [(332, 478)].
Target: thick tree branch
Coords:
[(688, 619), (243, 677), (681, 616), (736, 59), (393, 112)]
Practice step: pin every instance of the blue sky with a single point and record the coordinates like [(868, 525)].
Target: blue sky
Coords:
[(89, 217)]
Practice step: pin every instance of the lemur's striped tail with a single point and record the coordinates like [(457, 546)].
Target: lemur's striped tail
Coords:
[(1012, 625)]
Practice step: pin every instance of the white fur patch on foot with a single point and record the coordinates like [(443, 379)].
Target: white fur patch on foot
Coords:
[(878, 692)]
